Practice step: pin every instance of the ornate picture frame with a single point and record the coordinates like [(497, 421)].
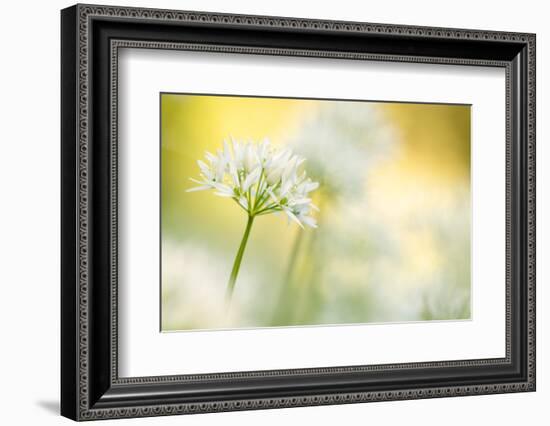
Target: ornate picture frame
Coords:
[(91, 37)]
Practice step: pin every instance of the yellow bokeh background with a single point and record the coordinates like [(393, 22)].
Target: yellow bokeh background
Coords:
[(393, 242)]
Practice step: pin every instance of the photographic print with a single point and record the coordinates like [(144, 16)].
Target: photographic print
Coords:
[(280, 212), (362, 193)]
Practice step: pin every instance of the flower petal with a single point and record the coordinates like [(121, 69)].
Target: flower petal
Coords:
[(300, 201), (209, 156), (198, 188), (204, 168), (251, 179), (309, 221), (293, 217), (224, 194), (274, 176), (200, 182), (223, 188)]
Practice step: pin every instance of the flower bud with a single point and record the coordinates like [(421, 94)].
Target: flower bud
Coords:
[(274, 176)]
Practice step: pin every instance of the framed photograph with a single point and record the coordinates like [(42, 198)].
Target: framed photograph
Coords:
[(263, 212)]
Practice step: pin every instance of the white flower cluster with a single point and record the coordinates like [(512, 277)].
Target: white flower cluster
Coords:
[(261, 179)]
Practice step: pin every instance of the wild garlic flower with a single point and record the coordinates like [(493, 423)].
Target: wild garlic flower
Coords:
[(260, 179)]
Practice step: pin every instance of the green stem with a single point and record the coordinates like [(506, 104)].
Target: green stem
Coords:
[(269, 209), (283, 313), (258, 187), (238, 259), (265, 197)]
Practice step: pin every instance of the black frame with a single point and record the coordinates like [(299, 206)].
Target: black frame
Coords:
[(90, 38)]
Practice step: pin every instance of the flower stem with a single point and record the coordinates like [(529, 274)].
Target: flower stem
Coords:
[(238, 259), (283, 313)]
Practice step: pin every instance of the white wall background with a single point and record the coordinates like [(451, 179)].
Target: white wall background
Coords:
[(29, 212)]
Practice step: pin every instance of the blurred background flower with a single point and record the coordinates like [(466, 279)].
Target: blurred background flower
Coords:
[(341, 141), (393, 242)]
